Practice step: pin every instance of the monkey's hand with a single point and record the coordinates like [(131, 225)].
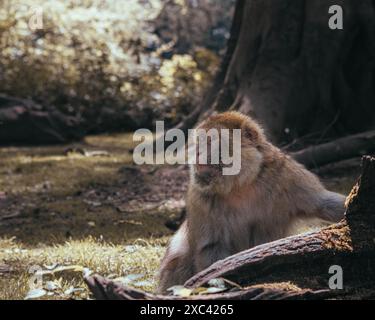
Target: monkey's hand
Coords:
[(208, 254)]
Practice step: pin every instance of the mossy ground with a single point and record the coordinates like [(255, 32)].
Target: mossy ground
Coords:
[(98, 212)]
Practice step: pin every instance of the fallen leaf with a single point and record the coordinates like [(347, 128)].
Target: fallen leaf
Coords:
[(97, 153), (91, 224), (73, 290), (51, 266), (86, 272), (35, 294), (131, 248), (72, 268), (129, 278), (217, 283), (180, 291), (94, 204), (144, 283), (213, 290), (52, 285)]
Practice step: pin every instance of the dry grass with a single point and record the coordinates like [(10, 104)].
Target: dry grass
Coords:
[(55, 224), (141, 257)]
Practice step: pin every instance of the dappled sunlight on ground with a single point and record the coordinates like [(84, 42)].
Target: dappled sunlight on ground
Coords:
[(60, 206), (85, 205)]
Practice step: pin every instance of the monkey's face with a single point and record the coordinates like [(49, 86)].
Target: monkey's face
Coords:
[(209, 164), (241, 146), (206, 174)]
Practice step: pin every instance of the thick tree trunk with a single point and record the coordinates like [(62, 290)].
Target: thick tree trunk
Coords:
[(211, 94), (292, 268), (288, 69)]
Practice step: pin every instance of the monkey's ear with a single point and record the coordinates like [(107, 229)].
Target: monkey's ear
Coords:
[(250, 133)]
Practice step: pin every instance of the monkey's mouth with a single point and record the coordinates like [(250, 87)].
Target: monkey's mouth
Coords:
[(205, 173)]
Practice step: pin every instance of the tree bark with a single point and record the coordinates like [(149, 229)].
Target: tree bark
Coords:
[(289, 70), (211, 94), (292, 268)]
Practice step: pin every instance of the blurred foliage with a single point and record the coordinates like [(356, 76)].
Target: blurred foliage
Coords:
[(100, 61)]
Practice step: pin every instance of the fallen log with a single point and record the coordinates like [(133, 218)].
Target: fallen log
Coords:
[(337, 150), (104, 289), (296, 267), (23, 121)]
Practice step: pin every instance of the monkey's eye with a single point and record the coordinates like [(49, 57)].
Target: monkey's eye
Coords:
[(249, 133)]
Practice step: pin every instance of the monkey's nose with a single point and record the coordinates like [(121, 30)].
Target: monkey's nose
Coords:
[(202, 167), (206, 170)]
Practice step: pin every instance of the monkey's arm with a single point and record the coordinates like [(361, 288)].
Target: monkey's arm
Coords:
[(177, 264), (331, 206), (208, 253), (326, 205), (313, 200)]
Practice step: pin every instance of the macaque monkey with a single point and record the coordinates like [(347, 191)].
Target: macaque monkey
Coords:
[(227, 214)]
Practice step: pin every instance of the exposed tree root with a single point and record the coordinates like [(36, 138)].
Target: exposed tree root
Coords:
[(337, 150), (303, 261)]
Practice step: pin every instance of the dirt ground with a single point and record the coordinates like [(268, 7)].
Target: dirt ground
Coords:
[(85, 207)]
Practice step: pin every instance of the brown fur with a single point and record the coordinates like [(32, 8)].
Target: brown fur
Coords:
[(234, 213)]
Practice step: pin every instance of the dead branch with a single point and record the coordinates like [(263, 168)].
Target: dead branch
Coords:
[(104, 289), (337, 150)]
